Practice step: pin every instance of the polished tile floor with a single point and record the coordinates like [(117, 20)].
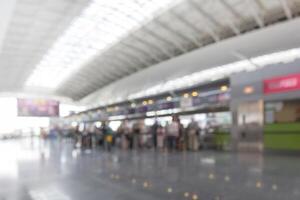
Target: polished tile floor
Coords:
[(53, 170)]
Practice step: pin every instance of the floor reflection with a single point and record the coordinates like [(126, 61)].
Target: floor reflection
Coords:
[(35, 169)]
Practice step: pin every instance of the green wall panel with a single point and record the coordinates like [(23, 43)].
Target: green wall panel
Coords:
[(222, 139), (286, 127), (282, 136), (287, 141)]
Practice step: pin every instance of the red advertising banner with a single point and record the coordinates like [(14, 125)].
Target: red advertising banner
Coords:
[(282, 84)]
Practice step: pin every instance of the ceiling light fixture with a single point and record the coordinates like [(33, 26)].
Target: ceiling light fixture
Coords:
[(169, 98), (248, 90), (224, 88), (186, 95), (194, 94), (150, 101)]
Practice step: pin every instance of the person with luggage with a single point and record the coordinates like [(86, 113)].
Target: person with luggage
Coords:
[(173, 133), (144, 135), (124, 132), (108, 136), (77, 137)]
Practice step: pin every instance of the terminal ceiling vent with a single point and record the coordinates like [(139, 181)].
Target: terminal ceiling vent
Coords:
[(72, 48)]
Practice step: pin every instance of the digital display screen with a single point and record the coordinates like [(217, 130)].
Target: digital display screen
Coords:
[(212, 99), (166, 105), (198, 101), (38, 108), (131, 111), (224, 97), (142, 109)]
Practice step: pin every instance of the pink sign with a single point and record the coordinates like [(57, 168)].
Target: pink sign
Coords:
[(282, 84), (38, 107)]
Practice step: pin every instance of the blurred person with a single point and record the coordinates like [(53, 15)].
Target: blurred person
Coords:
[(52, 132), (137, 131), (135, 135), (43, 133), (130, 138), (86, 140), (117, 139), (77, 137), (108, 135), (173, 133), (192, 131), (180, 139), (124, 132), (99, 137), (148, 137), (154, 128), (91, 135), (160, 133), (143, 134)]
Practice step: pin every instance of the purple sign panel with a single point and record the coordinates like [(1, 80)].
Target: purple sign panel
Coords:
[(224, 97), (38, 108), (131, 111), (166, 105), (215, 98), (142, 109)]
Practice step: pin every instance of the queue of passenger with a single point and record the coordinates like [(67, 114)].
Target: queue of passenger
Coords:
[(173, 136)]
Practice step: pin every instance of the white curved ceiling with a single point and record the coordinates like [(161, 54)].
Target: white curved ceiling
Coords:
[(170, 30)]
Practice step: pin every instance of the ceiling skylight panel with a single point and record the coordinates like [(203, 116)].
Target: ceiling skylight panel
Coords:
[(100, 25)]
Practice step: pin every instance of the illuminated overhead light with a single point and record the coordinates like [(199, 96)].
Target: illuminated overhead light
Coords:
[(101, 25), (164, 112), (194, 94), (248, 90), (186, 95), (74, 124), (118, 117), (145, 103), (98, 124), (169, 98), (150, 101), (221, 71), (109, 109), (133, 105), (224, 88), (150, 113)]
